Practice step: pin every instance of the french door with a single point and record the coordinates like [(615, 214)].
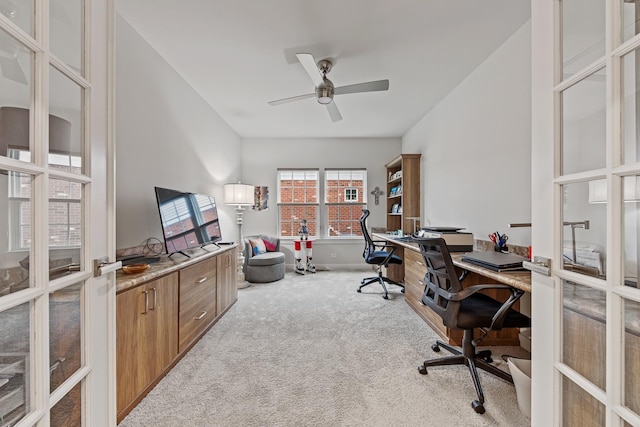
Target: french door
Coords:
[(56, 319), (586, 219)]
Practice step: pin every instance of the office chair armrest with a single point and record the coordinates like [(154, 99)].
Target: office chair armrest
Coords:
[(382, 244), (470, 290), (498, 318)]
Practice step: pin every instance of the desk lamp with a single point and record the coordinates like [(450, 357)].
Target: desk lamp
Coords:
[(240, 195)]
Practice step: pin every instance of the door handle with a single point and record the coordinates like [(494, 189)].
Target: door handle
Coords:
[(102, 266), (204, 279)]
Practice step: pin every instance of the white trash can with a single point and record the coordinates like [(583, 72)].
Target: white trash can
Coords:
[(521, 372)]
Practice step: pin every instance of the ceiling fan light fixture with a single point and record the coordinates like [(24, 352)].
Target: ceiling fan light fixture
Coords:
[(324, 92), (324, 95)]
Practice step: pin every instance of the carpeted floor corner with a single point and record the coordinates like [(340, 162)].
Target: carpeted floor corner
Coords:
[(311, 351)]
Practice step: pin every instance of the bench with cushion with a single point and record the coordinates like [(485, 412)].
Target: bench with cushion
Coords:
[(263, 261)]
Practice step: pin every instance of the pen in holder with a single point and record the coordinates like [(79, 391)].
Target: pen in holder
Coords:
[(500, 242)]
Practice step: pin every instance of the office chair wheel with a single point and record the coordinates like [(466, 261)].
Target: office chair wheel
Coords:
[(402, 290), (435, 347), (423, 370), (359, 291), (488, 359), (385, 296), (478, 407)]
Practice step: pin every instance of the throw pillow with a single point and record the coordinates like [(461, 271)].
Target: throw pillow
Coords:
[(270, 243), (257, 246)]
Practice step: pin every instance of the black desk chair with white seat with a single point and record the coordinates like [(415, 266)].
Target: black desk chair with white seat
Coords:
[(465, 309), (380, 254)]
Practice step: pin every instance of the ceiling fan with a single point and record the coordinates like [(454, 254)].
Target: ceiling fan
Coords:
[(324, 87)]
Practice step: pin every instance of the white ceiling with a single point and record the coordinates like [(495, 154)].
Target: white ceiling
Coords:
[(240, 54)]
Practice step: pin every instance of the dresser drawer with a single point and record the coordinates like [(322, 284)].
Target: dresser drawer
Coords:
[(414, 288), (198, 286)]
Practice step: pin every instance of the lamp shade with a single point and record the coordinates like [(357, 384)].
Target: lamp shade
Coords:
[(239, 194)]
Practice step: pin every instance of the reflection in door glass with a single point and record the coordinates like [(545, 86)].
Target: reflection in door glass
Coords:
[(583, 26), (68, 411), (15, 223), (632, 352), (584, 229), (579, 408), (65, 317), (65, 226), (20, 12), (630, 88), (15, 329), (65, 144), (631, 229), (583, 125), (15, 96)]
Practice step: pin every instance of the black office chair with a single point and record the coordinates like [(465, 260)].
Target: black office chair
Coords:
[(465, 309), (380, 254)]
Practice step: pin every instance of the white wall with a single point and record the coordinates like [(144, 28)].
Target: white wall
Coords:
[(262, 157), (166, 136), (476, 147)]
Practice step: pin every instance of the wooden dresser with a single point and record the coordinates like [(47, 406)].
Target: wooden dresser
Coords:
[(162, 312)]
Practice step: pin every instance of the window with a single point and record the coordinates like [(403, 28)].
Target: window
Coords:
[(350, 194), (344, 199), (298, 194)]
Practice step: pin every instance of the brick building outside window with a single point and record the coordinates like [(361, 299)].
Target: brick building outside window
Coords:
[(344, 198)]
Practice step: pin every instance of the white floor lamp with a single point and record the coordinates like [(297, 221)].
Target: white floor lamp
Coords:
[(239, 195)]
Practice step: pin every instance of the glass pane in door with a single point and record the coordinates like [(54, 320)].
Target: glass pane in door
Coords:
[(15, 352), (630, 88), (631, 18), (584, 228), (584, 309), (579, 408), (65, 226), (66, 125), (583, 26), (65, 327), (20, 12), (632, 355), (631, 229), (66, 32), (16, 62), (583, 125), (68, 411), (15, 222)]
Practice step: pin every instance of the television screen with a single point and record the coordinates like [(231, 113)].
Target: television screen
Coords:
[(189, 220)]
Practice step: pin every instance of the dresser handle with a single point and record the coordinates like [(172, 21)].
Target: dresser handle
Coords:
[(146, 302), (155, 298), (421, 282), (204, 313), (204, 279), (419, 263)]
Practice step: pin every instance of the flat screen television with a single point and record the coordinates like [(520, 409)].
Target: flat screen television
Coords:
[(189, 220)]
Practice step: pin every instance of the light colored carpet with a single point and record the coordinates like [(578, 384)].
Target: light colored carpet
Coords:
[(311, 351)]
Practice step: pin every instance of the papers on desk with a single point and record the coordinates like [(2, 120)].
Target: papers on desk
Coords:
[(496, 261)]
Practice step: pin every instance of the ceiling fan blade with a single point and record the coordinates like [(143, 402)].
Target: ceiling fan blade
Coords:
[(11, 70), (334, 113), (363, 87), (293, 98), (310, 66)]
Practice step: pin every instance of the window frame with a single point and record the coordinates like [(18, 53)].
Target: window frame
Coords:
[(345, 203), (306, 204)]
